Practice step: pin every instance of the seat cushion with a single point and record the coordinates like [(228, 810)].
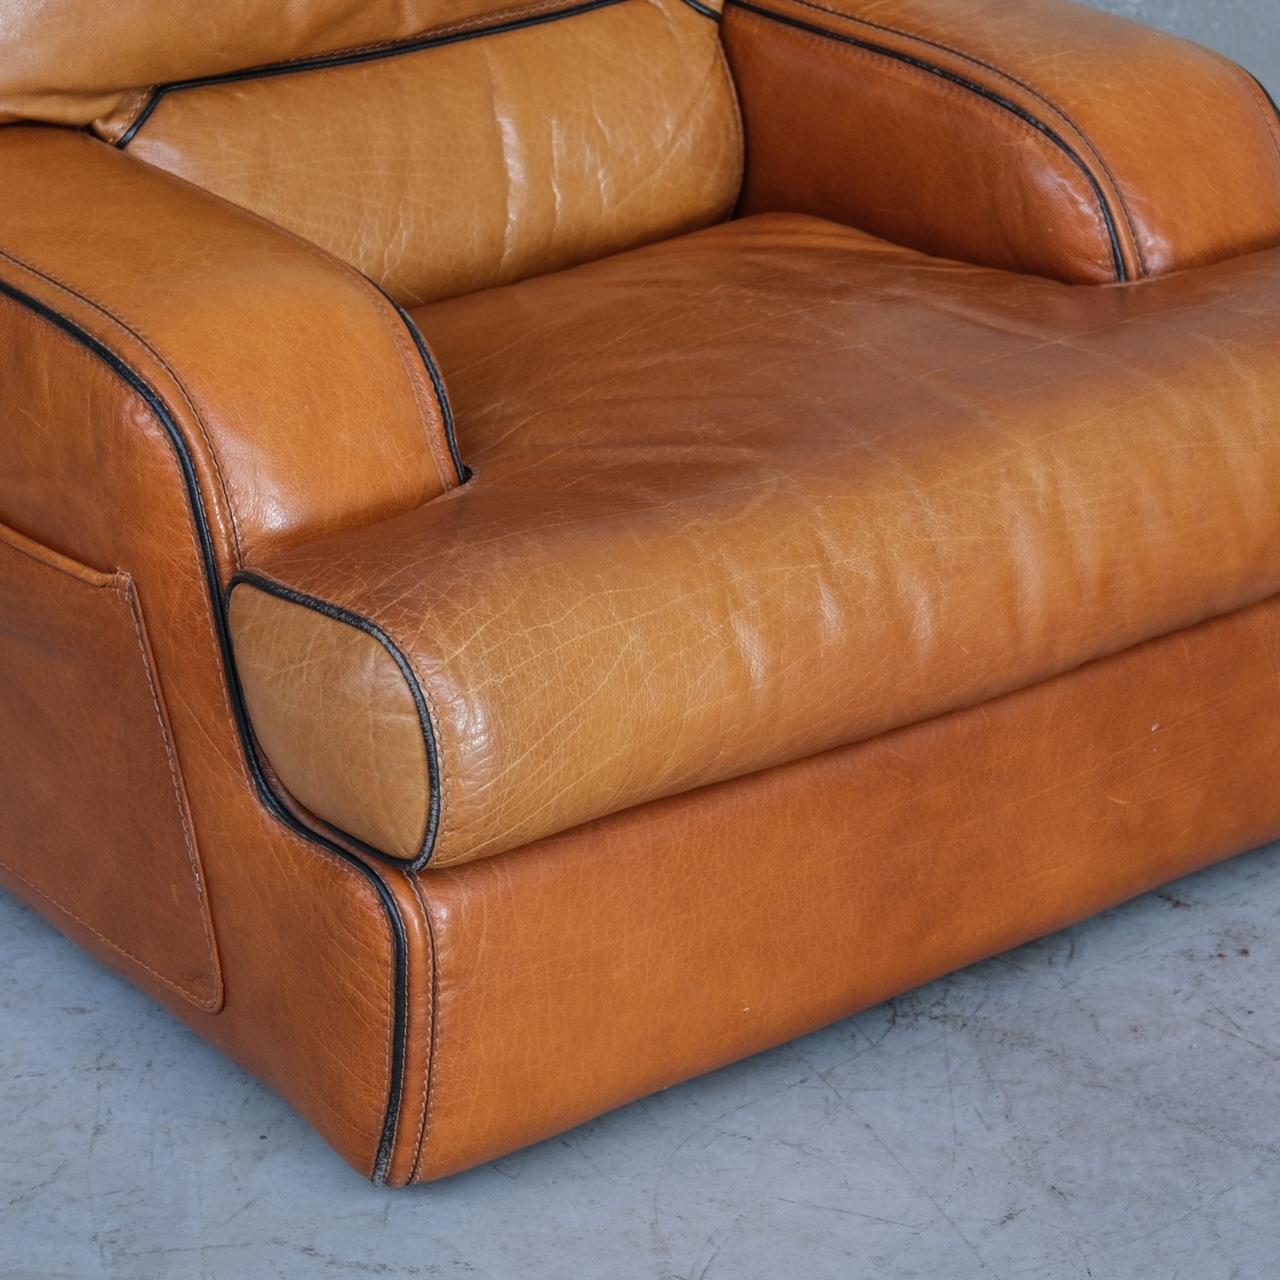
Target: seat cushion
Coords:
[(752, 494)]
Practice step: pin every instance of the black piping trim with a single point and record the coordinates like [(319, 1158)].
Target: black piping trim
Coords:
[(707, 12), (328, 61), (248, 578), (437, 381), (132, 379), (1108, 216)]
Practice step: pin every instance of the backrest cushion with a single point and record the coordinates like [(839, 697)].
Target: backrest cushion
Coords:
[(441, 146)]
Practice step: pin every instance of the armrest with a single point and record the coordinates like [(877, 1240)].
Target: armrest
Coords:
[(1033, 135), (303, 403)]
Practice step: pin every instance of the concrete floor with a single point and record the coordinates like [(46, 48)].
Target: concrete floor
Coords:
[(1104, 1103)]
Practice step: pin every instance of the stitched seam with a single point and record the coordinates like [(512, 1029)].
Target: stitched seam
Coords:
[(437, 785), (387, 1056), (152, 93), (44, 556), (501, 23), (432, 847), (133, 104), (149, 346), (1102, 214), (379, 305), (460, 471), (436, 1019), (387, 1039), (88, 359), (389, 47), (416, 1169), (1043, 98), (337, 864), (368, 292), (201, 1001), (437, 776), (413, 372), (944, 85), (129, 597)]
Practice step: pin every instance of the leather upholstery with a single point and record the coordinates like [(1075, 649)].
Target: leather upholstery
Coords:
[(610, 962), (313, 948), (498, 151), (66, 626), (909, 485), (366, 761), (1034, 135), (304, 400), (78, 61), (808, 487), (491, 142)]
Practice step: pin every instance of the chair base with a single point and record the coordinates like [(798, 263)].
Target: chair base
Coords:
[(594, 968)]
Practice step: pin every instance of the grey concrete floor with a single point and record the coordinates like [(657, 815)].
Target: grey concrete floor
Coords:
[(1103, 1103)]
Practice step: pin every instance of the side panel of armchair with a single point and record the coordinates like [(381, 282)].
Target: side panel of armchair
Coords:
[(1033, 135), (181, 381)]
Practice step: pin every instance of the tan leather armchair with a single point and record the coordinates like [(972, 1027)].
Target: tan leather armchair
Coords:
[(546, 549)]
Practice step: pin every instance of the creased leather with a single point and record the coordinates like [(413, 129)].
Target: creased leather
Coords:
[(303, 399), (307, 949), (386, 763), (75, 61), (1179, 145), (777, 487), (479, 162)]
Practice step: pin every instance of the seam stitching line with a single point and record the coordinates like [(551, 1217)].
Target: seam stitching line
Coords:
[(365, 53), (436, 1019), (438, 383), (201, 1002), (389, 1053), (149, 346), (199, 999), (1044, 98), (333, 857), (382, 304), (436, 794), (433, 997), (1108, 219), (129, 597), (47, 558)]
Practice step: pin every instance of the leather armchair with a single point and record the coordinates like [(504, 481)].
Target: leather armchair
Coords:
[(545, 551)]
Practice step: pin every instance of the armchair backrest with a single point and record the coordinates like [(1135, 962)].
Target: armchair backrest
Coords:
[(441, 146)]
